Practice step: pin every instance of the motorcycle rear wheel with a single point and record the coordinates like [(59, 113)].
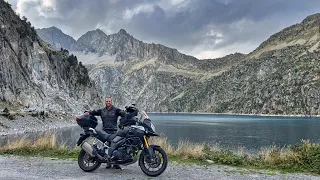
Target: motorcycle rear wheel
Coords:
[(84, 161)]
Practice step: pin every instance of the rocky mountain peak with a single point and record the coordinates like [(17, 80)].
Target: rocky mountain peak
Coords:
[(53, 29), (57, 38), (312, 18), (92, 41), (122, 35), (306, 33), (122, 31), (92, 35)]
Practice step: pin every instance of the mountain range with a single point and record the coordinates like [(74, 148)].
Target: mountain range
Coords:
[(132, 71), (281, 76)]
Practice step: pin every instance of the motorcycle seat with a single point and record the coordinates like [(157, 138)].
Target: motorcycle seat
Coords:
[(105, 136)]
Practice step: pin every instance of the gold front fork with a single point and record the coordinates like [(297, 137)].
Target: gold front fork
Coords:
[(146, 141)]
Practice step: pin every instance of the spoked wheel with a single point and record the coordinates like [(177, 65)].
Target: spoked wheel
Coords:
[(86, 163), (156, 165)]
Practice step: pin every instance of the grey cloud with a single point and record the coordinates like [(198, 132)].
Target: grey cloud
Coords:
[(185, 26)]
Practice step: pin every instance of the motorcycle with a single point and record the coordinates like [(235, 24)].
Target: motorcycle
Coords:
[(130, 144)]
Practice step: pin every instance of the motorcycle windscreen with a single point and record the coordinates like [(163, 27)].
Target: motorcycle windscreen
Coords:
[(143, 115)]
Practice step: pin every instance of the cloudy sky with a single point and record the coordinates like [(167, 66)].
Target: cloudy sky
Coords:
[(202, 28)]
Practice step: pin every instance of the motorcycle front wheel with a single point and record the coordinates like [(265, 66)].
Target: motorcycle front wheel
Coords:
[(86, 163), (153, 166)]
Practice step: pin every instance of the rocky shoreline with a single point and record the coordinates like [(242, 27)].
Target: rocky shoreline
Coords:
[(27, 124)]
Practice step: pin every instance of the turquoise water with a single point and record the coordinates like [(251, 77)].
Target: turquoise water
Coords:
[(233, 131), (229, 131)]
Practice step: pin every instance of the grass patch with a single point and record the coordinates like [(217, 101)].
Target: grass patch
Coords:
[(45, 146), (301, 157)]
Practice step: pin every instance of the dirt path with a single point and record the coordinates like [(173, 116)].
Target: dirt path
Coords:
[(21, 168)]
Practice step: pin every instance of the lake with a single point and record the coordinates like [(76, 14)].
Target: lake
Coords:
[(229, 131)]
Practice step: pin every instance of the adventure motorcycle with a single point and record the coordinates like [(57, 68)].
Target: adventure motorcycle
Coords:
[(123, 147)]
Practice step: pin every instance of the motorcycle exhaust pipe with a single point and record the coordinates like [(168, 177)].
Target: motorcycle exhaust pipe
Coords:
[(92, 152)]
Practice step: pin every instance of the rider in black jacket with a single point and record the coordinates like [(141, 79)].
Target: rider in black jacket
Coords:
[(109, 116)]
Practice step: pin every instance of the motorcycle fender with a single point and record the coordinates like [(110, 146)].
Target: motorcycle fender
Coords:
[(82, 138)]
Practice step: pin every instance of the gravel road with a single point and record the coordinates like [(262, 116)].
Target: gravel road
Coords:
[(20, 168)]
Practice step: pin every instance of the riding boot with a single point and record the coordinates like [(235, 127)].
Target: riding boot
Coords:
[(108, 166)]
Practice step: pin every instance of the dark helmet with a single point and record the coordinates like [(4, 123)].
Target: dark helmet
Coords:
[(132, 110)]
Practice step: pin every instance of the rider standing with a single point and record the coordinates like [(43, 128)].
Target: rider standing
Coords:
[(109, 116)]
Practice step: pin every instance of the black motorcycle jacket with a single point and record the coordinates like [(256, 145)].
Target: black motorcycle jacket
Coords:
[(109, 117)]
